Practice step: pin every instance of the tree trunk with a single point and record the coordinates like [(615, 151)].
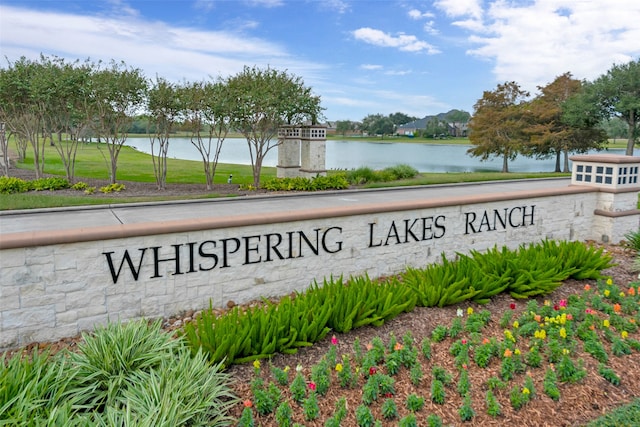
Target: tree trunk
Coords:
[(505, 163), (631, 139), (566, 161), (557, 161)]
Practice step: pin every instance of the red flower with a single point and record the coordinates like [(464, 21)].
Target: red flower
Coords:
[(556, 307), (373, 370), (388, 395), (247, 403), (464, 341), (334, 340), (512, 306), (312, 386)]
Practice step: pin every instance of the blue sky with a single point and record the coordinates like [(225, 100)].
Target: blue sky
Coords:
[(361, 56)]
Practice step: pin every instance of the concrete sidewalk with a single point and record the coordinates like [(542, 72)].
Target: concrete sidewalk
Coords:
[(57, 219)]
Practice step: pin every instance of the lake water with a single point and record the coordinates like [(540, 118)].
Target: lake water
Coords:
[(376, 155)]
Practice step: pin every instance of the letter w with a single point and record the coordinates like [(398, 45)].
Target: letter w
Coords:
[(134, 271)]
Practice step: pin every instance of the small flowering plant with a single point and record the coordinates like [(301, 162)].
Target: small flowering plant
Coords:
[(548, 340)]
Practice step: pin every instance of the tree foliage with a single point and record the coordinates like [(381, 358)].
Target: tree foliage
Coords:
[(344, 126), (164, 106), (499, 123), (617, 93), (401, 118), (554, 133), (19, 108), (378, 124), (264, 100), (436, 127), (207, 114), (117, 93)]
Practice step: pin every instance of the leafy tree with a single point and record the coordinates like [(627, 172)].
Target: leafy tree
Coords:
[(63, 88), (264, 100), (617, 94), (344, 126), (401, 118), (207, 112), (498, 126), (19, 109), (615, 128), (117, 93), (377, 124), (434, 128), (552, 132), (164, 107)]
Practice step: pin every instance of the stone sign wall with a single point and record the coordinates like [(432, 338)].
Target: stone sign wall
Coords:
[(54, 290)]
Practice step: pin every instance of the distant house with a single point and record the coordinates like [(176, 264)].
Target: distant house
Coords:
[(456, 129), (409, 129)]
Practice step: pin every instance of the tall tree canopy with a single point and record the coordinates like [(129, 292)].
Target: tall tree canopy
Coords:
[(207, 113), (617, 94), (377, 124), (499, 123), (264, 100), (117, 94), (401, 118), (165, 107), (552, 132)]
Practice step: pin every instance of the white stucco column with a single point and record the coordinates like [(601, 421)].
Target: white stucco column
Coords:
[(313, 151), (288, 152)]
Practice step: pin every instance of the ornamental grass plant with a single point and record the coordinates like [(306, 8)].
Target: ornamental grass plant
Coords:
[(123, 374)]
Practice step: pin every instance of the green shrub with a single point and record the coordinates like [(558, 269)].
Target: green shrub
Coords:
[(401, 172), (50, 184), (318, 183), (361, 176), (31, 387), (113, 188), (10, 185), (80, 186), (122, 374)]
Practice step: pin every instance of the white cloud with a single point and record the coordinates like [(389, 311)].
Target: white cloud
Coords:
[(416, 14), (204, 5), (460, 8), (120, 7), (534, 43), (398, 72), (402, 41), (339, 6), (429, 26), (371, 67), (175, 53), (265, 3)]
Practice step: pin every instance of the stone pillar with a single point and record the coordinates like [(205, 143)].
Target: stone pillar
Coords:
[(617, 179), (313, 151), (288, 152)]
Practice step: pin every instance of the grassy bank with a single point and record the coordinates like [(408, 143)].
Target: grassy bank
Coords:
[(137, 166)]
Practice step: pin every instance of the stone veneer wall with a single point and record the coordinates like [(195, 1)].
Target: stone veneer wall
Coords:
[(54, 285)]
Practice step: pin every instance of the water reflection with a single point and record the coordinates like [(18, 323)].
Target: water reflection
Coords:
[(376, 155)]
